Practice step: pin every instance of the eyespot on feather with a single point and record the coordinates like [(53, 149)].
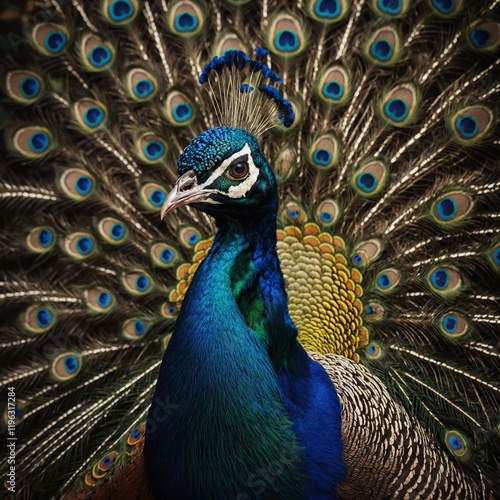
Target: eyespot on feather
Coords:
[(105, 465), (458, 445), (324, 152), (390, 8), (293, 212), (444, 280), (328, 11), (185, 19), (453, 325), (151, 148), (66, 366), (178, 110), (383, 47), (387, 280), (334, 86), (493, 256), (113, 231), (370, 178), (446, 8), (366, 252), (373, 351), (188, 236), (136, 436), (100, 299), (120, 12), (135, 328), (374, 311), (38, 318), (33, 142), (96, 54), (327, 212), (141, 85), (76, 183), (90, 115), (23, 86), (80, 245), (451, 207), (49, 39), (41, 239), (169, 310), (484, 35), (471, 124), (285, 36), (399, 106), (152, 195), (137, 282), (163, 255)]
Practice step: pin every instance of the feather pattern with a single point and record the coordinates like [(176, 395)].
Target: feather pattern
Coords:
[(388, 237)]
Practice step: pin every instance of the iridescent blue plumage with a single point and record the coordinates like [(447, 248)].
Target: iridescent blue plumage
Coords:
[(256, 397)]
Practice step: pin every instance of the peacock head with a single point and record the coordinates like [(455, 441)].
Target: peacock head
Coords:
[(224, 174)]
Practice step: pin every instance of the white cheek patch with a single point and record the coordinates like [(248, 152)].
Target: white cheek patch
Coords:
[(241, 189), (235, 192)]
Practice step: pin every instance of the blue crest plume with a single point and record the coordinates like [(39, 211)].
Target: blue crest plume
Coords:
[(236, 102)]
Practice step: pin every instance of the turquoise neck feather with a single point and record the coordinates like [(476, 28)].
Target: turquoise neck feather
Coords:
[(230, 371)]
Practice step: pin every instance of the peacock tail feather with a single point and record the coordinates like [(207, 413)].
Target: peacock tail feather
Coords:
[(388, 238)]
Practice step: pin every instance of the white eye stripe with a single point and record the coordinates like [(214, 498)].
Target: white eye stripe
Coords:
[(240, 190)]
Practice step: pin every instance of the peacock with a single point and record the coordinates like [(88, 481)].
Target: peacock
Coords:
[(250, 249)]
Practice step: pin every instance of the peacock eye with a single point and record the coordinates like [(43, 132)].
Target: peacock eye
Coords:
[(238, 170)]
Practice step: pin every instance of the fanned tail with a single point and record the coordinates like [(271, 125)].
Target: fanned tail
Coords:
[(389, 238)]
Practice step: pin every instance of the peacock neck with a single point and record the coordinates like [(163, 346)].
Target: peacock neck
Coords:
[(257, 282), (230, 417), (248, 397)]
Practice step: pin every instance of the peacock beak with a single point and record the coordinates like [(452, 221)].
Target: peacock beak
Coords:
[(185, 191)]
